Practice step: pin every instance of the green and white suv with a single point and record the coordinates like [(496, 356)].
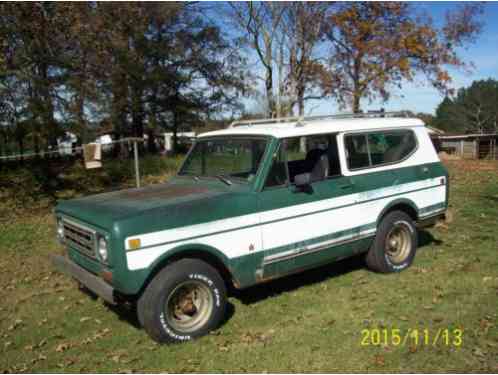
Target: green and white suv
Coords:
[(251, 203)]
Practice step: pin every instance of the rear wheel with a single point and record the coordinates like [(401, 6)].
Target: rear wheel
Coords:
[(395, 244), (184, 301)]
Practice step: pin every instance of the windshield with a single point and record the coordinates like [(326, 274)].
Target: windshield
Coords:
[(237, 158)]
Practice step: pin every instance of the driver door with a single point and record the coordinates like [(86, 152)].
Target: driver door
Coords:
[(299, 225)]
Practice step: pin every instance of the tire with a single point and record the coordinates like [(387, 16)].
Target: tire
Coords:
[(184, 301), (395, 244)]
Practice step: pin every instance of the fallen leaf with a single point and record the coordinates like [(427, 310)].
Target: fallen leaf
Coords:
[(42, 322), (17, 323), (379, 360), (478, 352), (62, 347)]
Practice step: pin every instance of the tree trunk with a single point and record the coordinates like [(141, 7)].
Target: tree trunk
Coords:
[(280, 80), (175, 131), (36, 141), (269, 75), (118, 108), (138, 113), (300, 98), (151, 141), (80, 116), (356, 102), (48, 105), (20, 142), (269, 92)]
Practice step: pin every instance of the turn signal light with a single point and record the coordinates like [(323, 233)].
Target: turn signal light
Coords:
[(134, 243)]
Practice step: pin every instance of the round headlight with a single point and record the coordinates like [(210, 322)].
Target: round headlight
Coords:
[(103, 249), (60, 229)]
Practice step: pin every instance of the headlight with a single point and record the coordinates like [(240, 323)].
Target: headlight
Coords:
[(60, 229), (102, 249)]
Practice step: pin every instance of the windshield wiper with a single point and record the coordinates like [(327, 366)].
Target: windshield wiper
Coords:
[(224, 179)]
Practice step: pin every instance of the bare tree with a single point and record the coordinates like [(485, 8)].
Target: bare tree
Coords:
[(304, 28), (261, 23)]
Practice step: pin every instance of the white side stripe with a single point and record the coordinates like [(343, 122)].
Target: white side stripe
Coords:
[(182, 233), (244, 235)]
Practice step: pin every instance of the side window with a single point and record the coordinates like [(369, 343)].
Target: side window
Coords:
[(278, 172), (379, 148), (308, 155), (391, 147), (317, 155), (357, 151)]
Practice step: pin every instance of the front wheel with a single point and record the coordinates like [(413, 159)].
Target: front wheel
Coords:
[(185, 300), (395, 244)]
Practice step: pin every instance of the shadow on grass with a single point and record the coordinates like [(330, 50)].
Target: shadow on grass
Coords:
[(289, 283), (315, 275), (493, 198), (426, 238), (127, 311)]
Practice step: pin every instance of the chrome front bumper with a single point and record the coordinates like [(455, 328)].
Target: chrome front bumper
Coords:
[(88, 279)]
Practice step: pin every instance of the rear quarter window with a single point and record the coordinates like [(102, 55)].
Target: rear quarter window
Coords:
[(374, 149)]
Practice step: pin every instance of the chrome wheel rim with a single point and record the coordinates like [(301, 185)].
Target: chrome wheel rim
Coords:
[(398, 243), (189, 306)]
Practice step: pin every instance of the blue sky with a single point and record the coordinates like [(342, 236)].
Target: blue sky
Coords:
[(419, 96), (483, 54)]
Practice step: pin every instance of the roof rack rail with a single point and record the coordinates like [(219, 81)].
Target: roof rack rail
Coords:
[(276, 120)]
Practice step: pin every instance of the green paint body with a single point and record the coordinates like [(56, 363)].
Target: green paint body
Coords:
[(132, 212)]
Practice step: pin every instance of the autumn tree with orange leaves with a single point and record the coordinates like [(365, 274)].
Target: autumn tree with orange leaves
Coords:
[(377, 46)]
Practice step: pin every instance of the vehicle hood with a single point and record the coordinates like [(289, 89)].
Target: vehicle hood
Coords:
[(105, 210)]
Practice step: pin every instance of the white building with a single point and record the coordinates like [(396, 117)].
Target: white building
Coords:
[(168, 139)]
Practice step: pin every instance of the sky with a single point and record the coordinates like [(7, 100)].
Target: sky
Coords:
[(421, 97), (483, 54)]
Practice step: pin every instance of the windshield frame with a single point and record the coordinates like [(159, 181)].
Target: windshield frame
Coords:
[(235, 179)]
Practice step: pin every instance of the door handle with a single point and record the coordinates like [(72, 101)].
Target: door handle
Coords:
[(346, 186)]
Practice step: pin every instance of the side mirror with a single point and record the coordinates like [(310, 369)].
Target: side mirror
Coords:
[(302, 180)]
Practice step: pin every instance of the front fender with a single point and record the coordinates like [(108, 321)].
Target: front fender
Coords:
[(140, 278)]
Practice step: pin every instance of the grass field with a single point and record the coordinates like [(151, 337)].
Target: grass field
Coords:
[(311, 322)]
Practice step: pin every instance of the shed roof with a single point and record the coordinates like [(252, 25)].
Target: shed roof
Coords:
[(467, 136)]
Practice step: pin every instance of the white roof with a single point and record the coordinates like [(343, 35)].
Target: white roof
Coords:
[(295, 129)]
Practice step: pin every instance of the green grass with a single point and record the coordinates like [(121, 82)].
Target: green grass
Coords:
[(310, 322)]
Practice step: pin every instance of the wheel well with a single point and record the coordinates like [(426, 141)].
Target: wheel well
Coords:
[(205, 256), (405, 207)]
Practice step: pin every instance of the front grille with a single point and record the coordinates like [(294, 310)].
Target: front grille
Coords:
[(80, 238)]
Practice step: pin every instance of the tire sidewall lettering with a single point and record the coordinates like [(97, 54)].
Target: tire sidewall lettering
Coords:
[(217, 296), (170, 332), (210, 283)]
